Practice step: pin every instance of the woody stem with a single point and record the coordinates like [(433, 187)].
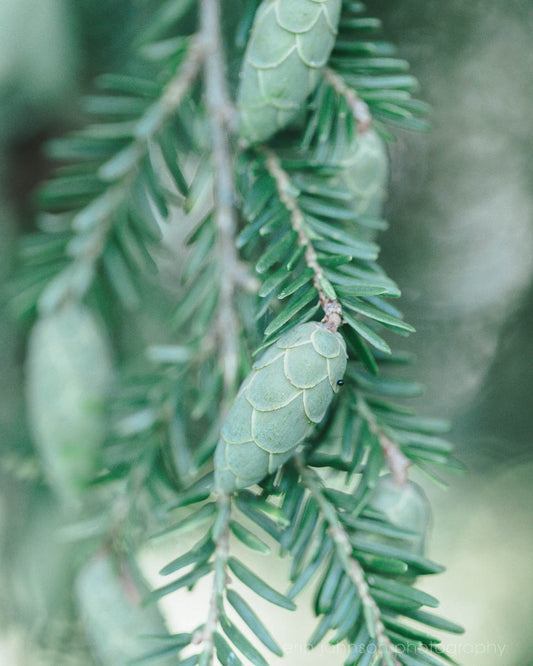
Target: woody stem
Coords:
[(331, 306)]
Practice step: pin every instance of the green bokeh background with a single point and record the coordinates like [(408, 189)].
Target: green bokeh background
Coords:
[(460, 246)]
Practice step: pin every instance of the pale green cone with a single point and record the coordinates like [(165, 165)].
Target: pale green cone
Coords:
[(119, 628), (286, 394), (405, 507), (366, 172), (68, 373), (289, 44)]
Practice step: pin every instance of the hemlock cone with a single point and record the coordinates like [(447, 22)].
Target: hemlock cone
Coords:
[(287, 393), (365, 173), (68, 374), (119, 628), (405, 507), (289, 45)]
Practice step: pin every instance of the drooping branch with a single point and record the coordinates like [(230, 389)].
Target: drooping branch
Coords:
[(220, 114), (219, 110), (94, 222), (157, 115), (397, 461), (357, 106), (205, 637), (351, 566), (332, 308)]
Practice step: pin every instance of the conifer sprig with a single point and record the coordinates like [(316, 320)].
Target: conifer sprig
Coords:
[(358, 108), (397, 462), (220, 112), (94, 223), (329, 303), (351, 566), (303, 210)]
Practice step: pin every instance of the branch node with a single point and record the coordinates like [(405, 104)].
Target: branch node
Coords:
[(332, 314)]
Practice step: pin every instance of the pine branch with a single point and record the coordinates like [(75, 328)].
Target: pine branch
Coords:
[(331, 306), (94, 223), (353, 569), (205, 637), (398, 463), (357, 106), (311, 218), (219, 111)]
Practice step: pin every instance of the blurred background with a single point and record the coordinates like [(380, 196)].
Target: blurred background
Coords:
[(460, 246)]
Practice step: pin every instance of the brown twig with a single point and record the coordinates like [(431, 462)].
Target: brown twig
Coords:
[(351, 566), (357, 106), (332, 308)]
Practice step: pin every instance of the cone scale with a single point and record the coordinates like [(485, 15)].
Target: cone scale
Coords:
[(285, 395), (290, 44)]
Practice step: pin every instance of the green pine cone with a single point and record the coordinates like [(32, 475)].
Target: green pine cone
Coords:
[(118, 627), (289, 45), (405, 507), (286, 394), (366, 173), (67, 377)]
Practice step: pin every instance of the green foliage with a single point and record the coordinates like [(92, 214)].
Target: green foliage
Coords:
[(309, 211), (368, 65), (105, 206)]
